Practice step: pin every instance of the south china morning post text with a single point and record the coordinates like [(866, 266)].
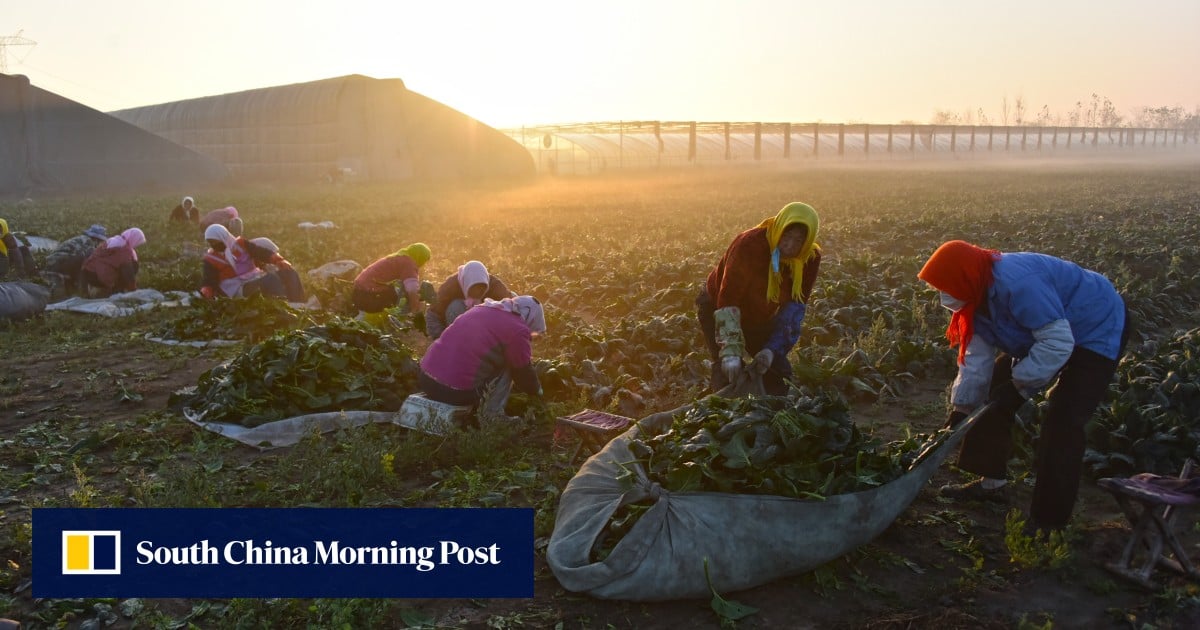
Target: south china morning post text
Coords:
[(283, 552), (250, 552)]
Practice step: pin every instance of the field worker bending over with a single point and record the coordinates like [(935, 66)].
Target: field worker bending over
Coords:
[(113, 265), (469, 286), (227, 217), (487, 350), (1021, 320), (13, 255), (266, 256), (186, 211), (760, 286), (374, 290), (67, 259), (230, 269)]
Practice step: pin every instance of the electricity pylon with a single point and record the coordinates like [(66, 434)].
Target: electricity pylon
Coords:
[(12, 40)]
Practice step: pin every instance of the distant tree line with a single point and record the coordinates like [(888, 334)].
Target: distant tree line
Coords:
[(1099, 111)]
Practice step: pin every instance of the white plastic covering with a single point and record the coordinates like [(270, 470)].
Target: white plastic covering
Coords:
[(123, 304), (291, 430), (351, 127), (51, 144)]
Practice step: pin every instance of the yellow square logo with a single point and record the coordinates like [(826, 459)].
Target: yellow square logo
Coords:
[(91, 553)]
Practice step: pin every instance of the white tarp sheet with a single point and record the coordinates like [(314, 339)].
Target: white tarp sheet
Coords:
[(123, 304), (291, 430)]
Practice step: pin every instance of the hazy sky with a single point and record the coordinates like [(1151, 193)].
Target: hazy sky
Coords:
[(528, 62)]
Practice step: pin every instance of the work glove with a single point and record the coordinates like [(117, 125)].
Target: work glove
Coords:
[(1006, 397), (785, 328), (762, 360), (732, 367), (954, 419), (728, 329)]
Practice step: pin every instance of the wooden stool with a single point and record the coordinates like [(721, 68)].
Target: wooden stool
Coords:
[(1153, 525), (593, 428)]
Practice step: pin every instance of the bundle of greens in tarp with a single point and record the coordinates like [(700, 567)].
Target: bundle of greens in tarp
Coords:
[(342, 365), (251, 318), (803, 447)]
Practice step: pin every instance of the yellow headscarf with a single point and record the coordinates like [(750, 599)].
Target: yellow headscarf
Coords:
[(3, 233), (794, 212), (418, 252)]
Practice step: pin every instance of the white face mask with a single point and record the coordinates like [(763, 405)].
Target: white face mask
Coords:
[(951, 302)]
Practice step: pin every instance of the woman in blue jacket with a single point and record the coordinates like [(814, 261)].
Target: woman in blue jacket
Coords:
[(1021, 321)]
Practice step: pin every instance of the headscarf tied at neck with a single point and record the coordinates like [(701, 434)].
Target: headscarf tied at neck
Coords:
[(471, 274), (131, 238), (418, 252), (526, 306), (793, 213), (234, 254), (965, 272)]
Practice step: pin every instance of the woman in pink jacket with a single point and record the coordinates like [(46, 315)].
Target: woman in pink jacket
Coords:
[(487, 349), (113, 265)]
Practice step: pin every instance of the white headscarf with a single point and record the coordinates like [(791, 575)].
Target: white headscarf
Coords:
[(186, 200), (130, 238), (469, 275), (526, 306), (266, 244), (218, 232)]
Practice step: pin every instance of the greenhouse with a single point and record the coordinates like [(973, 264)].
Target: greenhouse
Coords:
[(593, 148), (353, 127), (49, 143)]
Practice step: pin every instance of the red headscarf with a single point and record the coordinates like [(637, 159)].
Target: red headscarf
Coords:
[(964, 271)]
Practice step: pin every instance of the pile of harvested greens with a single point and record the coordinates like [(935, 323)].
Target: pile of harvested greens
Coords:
[(253, 318), (802, 447), (342, 365)]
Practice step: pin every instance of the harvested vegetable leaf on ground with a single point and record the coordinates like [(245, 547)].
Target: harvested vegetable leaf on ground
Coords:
[(800, 447), (341, 365), (252, 319)]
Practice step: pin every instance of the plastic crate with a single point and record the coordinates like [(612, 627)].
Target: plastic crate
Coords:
[(593, 428), (430, 416)]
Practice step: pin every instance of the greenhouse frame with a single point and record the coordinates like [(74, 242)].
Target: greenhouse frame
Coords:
[(594, 148)]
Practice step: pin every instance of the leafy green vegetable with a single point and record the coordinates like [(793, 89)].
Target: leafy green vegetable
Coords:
[(253, 318), (342, 365)]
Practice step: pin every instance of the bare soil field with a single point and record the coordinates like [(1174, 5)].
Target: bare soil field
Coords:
[(86, 417)]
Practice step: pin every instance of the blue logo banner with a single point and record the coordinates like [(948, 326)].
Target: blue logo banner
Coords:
[(283, 552)]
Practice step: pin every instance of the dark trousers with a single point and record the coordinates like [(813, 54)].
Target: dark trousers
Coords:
[(26, 261), (446, 394), (268, 285), (775, 381), (126, 280), (374, 302), (291, 284), (69, 268), (1080, 388)]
